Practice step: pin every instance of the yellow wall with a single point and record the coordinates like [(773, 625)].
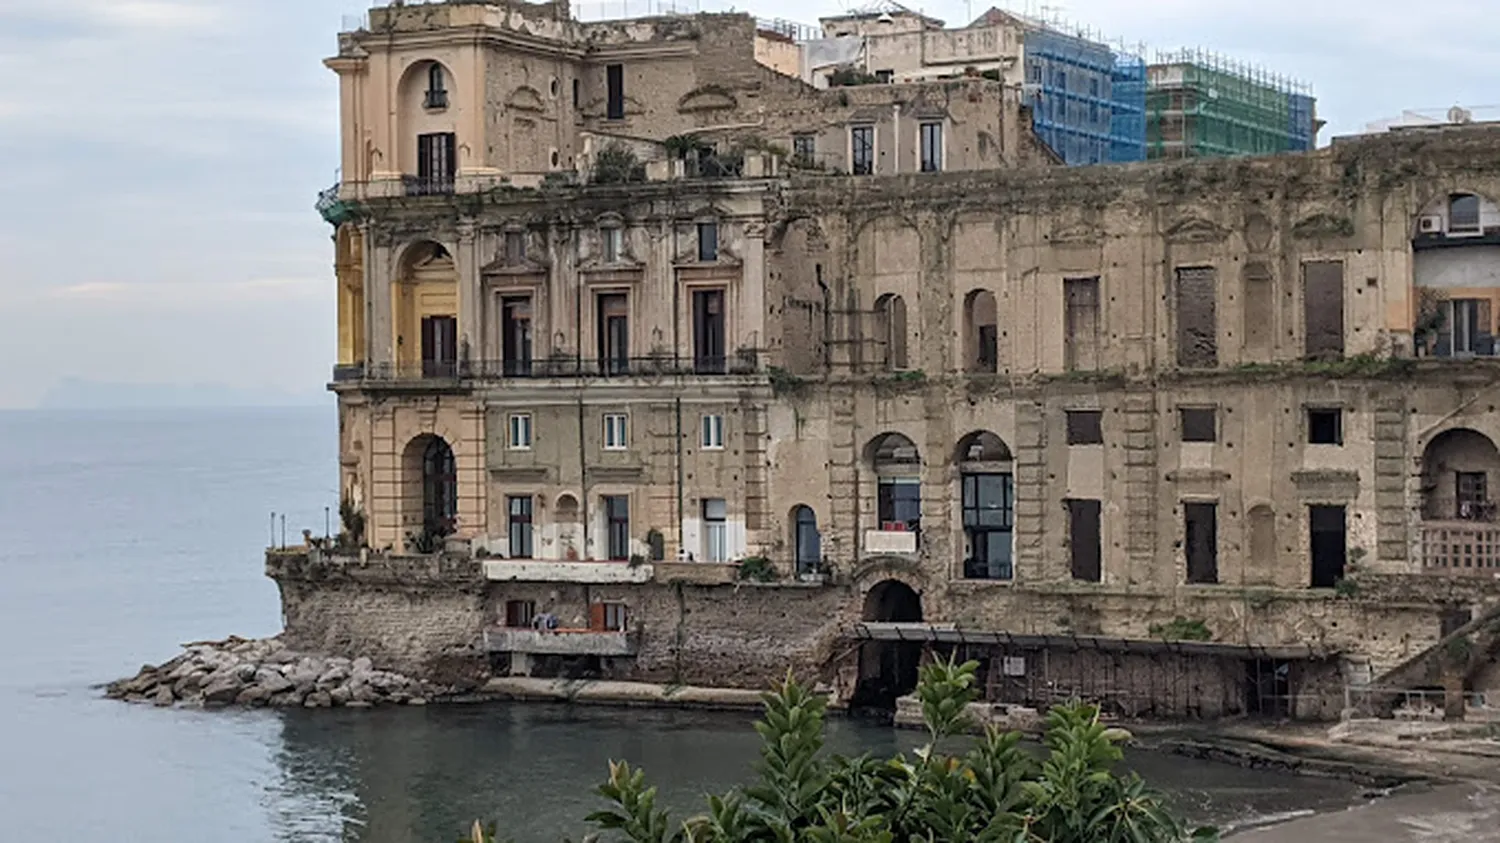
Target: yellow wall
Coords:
[(350, 270), (428, 288)]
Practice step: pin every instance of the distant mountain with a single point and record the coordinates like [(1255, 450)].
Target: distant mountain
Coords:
[(78, 394)]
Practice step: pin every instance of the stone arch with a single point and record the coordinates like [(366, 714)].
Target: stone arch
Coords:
[(891, 332), (424, 311), (896, 463), (981, 332), (982, 446), (420, 110), (892, 601), (1460, 211), (888, 670), (1460, 467), (429, 486), (569, 527), (892, 450)]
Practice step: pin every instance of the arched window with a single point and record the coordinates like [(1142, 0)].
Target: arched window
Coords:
[(437, 87), (898, 471), (981, 337), (890, 330), (1463, 214), (988, 492), (439, 487), (806, 541)]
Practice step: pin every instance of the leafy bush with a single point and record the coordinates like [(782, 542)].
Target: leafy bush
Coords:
[(616, 164), (1182, 629), (758, 569), (995, 792)]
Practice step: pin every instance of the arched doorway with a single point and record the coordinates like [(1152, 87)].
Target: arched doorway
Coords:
[(1459, 467), (981, 334), (987, 493), (430, 499), (888, 670), (425, 313), (807, 542)]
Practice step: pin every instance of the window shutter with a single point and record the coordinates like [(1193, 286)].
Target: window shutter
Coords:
[(596, 617)]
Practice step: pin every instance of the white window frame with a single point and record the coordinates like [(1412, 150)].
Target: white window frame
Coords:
[(616, 432), (712, 432), (611, 244), (519, 423), (716, 533)]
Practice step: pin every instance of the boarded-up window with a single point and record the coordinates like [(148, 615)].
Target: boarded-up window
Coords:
[(1197, 318), (1199, 424), (1085, 427), (1260, 314), (1323, 309), (1201, 541), (1084, 546), (1081, 331)]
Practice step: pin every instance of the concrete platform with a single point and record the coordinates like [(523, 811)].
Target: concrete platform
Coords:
[(620, 693), (1464, 813)]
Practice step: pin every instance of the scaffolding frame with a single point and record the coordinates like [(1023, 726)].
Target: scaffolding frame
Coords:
[(1202, 104)]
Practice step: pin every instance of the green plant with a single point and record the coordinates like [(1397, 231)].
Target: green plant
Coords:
[(757, 569), (678, 146), (1181, 629), (1459, 650), (784, 384), (989, 790), (848, 76), (352, 519), (637, 560), (1346, 587), (616, 164)]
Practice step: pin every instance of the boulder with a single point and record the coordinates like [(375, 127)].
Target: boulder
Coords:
[(222, 691), (362, 665), (164, 697), (363, 694), (333, 676), (340, 695), (188, 684), (245, 672), (273, 682), (359, 704), (255, 695), (286, 699), (417, 701), (318, 699)]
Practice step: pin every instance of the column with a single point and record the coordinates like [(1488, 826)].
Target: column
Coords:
[(470, 308), (379, 335)]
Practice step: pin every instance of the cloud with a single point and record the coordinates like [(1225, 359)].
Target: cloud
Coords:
[(176, 294)]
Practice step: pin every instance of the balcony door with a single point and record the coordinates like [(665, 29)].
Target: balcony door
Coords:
[(708, 332), (439, 346), (989, 517), (614, 333), (515, 332), (437, 162)]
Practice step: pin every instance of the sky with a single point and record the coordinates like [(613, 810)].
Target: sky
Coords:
[(159, 160)]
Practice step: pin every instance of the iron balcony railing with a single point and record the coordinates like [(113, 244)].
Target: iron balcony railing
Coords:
[(1461, 548), (428, 185), (739, 364)]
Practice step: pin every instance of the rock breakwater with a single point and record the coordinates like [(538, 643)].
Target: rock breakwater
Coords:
[(246, 672)]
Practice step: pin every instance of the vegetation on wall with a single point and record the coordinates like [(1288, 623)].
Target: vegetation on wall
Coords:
[(848, 76), (757, 569), (616, 164), (987, 790), (352, 519), (1181, 629)]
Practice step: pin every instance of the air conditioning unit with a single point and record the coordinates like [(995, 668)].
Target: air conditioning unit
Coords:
[(1431, 224)]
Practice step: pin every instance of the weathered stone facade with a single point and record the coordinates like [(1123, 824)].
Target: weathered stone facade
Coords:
[(1050, 401)]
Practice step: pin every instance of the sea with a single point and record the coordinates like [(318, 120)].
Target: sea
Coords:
[(124, 535)]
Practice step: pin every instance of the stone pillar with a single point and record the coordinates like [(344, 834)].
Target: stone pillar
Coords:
[(470, 307), (379, 274)]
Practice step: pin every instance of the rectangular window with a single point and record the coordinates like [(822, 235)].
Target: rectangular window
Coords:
[(437, 163), (615, 432), (805, 149), (614, 617), (617, 527), (899, 504), (1085, 550), (613, 311), (519, 613), (1197, 318), (1081, 333), (989, 503), (612, 244), (520, 432), (439, 346), (1085, 427), (1465, 329), (884, 77), (715, 530), (1323, 309), (862, 150), (1199, 424), (520, 526), (713, 433), (708, 242), (515, 248), (1325, 426), (515, 332), (1472, 496), (1201, 542), (1327, 531), (614, 83), (708, 332), (932, 146)]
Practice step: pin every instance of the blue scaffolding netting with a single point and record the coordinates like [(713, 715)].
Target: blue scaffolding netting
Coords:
[(1089, 103)]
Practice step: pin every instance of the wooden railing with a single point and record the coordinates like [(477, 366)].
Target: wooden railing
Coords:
[(1468, 548)]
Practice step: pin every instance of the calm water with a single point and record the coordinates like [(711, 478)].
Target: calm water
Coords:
[(125, 535)]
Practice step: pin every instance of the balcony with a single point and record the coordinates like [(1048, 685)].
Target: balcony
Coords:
[(742, 363), (582, 573), (1461, 548), (561, 642), (427, 185)]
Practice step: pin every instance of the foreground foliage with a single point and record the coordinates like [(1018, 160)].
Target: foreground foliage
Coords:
[(994, 792)]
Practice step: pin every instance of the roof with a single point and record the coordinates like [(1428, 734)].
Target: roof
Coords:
[(947, 634)]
